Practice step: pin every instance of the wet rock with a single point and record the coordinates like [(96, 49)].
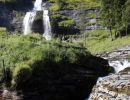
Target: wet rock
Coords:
[(120, 53), (9, 95)]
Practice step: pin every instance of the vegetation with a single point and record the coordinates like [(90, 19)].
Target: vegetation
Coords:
[(74, 4), (100, 45), (24, 59), (115, 14), (98, 42), (20, 53), (61, 21)]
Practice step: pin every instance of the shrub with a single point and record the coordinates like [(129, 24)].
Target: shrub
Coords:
[(21, 73), (2, 31), (66, 23)]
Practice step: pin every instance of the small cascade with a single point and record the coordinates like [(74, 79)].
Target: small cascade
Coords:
[(119, 65), (30, 16), (28, 21), (38, 5), (47, 25)]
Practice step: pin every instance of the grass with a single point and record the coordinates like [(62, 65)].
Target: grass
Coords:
[(74, 4), (98, 42), (20, 53), (105, 45)]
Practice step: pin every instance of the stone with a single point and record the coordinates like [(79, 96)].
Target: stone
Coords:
[(114, 86)]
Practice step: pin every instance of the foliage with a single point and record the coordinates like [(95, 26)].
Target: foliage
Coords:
[(20, 53), (60, 23), (113, 16), (75, 4), (66, 23), (21, 73), (97, 42)]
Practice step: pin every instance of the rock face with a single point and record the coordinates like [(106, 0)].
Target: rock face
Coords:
[(123, 53), (86, 20), (112, 87), (12, 14), (64, 81)]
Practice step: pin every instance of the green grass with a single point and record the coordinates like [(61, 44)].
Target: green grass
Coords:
[(98, 42), (74, 4), (20, 53)]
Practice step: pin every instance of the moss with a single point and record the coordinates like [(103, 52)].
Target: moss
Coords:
[(21, 73), (91, 15), (54, 8), (66, 23), (39, 15), (75, 4), (62, 24), (2, 31)]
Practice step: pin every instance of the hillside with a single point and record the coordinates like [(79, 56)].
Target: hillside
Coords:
[(49, 48)]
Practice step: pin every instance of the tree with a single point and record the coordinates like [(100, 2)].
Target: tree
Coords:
[(126, 15), (107, 15), (111, 12)]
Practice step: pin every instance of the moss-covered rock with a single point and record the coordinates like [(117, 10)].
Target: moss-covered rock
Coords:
[(21, 73), (52, 68)]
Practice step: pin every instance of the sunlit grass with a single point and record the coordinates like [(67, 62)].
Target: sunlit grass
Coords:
[(19, 53), (106, 45)]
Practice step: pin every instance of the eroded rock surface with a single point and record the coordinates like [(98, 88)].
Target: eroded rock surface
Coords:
[(112, 87)]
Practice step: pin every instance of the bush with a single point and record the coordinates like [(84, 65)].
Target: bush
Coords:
[(21, 73), (21, 54), (66, 23), (2, 31)]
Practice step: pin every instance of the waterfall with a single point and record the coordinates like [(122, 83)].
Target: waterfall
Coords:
[(38, 5), (47, 26), (119, 65), (30, 16), (28, 21)]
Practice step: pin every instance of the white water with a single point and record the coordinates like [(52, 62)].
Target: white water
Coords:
[(119, 65), (38, 5), (29, 19), (30, 16), (47, 25)]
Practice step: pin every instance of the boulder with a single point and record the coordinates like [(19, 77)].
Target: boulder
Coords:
[(112, 87), (64, 81)]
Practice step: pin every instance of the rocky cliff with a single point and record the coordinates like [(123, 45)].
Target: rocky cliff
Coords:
[(60, 81), (112, 87), (67, 21), (64, 81), (12, 14)]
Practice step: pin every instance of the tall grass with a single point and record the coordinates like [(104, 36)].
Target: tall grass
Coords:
[(20, 53)]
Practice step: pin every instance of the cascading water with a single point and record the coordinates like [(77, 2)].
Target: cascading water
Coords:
[(119, 65), (30, 16), (47, 26), (38, 5), (28, 21)]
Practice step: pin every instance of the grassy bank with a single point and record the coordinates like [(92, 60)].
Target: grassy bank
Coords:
[(20, 53), (106, 45), (98, 42)]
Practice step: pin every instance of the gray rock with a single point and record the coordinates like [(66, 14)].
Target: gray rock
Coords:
[(112, 87)]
